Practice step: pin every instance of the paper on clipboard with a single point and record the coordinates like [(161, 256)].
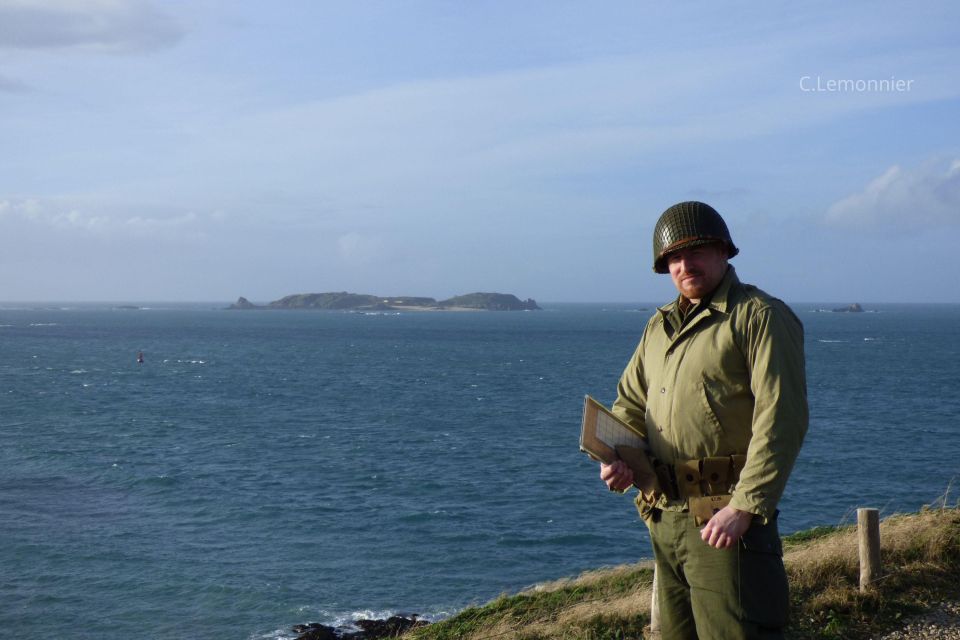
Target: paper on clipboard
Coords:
[(602, 431)]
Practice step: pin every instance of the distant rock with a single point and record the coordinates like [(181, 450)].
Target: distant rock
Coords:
[(243, 303), (853, 308), (345, 301)]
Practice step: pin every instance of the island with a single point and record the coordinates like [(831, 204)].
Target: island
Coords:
[(344, 301), (851, 308)]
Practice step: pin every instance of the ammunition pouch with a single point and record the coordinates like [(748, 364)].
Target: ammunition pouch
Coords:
[(706, 484)]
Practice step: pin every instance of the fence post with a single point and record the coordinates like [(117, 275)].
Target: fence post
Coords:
[(654, 608), (868, 534)]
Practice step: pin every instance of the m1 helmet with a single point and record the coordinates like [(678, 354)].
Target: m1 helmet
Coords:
[(688, 224)]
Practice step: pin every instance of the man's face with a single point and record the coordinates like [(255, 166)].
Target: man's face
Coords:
[(696, 271)]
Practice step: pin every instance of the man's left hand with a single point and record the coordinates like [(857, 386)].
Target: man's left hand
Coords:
[(726, 527)]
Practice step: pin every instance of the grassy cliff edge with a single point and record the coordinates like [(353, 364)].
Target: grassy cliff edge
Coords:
[(920, 556)]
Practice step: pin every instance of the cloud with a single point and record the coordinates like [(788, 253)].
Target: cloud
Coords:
[(922, 198), (98, 25), (62, 214), (12, 85), (519, 127)]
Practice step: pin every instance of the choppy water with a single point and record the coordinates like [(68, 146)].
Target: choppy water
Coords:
[(263, 469)]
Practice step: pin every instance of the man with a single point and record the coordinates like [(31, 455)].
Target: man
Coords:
[(717, 388)]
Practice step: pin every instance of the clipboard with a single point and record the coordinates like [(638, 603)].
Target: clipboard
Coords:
[(601, 432)]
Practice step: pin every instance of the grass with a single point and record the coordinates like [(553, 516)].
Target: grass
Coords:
[(920, 555)]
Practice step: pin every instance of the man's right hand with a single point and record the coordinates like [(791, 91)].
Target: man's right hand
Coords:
[(617, 475)]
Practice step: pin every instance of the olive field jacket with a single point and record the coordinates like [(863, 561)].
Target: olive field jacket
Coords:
[(730, 381)]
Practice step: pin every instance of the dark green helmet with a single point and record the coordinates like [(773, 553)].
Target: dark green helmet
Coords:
[(688, 224)]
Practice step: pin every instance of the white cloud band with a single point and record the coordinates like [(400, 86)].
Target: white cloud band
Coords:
[(925, 197)]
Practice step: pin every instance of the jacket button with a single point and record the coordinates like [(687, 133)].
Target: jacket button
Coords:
[(663, 389)]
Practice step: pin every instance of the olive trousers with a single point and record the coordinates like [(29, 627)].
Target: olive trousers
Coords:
[(718, 594)]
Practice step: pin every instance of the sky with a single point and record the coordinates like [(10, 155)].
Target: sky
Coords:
[(201, 150)]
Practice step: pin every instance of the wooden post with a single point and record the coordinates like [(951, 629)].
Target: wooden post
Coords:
[(654, 608), (868, 533)]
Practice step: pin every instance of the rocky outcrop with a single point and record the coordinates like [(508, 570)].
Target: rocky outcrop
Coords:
[(243, 303), (392, 627), (852, 308)]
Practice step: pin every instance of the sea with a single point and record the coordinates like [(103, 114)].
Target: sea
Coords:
[(262, 469)]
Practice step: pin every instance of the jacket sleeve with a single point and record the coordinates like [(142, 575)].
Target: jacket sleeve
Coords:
[(631, 403), (774, 353)]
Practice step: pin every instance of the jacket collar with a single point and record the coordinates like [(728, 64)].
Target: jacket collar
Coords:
[(721, 295)]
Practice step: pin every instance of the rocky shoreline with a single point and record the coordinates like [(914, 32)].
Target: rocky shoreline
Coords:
[(392, 627)]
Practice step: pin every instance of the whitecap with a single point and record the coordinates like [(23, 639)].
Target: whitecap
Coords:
[(79, 371), (348, 620), (276, 634)]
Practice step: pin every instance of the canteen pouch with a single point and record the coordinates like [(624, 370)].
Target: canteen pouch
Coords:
[(644, 477)]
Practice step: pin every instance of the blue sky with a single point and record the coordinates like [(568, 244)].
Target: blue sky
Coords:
[(199, 150)]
